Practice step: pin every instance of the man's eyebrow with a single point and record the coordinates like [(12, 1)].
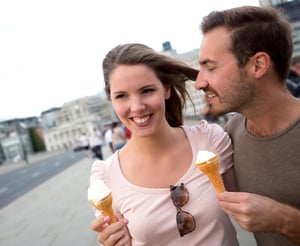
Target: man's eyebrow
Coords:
[(205, 62)]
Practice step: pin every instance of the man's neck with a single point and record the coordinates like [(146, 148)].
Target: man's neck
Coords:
[(271, 122)]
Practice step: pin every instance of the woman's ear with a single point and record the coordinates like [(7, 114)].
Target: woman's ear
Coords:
[(260, 64), (167, 91)]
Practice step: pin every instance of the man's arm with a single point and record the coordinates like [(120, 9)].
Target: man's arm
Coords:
[(290, 222), (229, 180)]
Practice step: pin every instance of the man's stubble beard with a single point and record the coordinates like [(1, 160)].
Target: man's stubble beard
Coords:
[(237, 97)]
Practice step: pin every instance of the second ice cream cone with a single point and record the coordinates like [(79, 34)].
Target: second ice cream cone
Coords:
[(211, 168)]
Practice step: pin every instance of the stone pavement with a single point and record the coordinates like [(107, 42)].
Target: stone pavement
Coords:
[(57, 213), (10, 165), (54, 213)]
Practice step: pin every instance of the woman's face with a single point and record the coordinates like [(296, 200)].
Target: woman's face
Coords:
[(138, 98)]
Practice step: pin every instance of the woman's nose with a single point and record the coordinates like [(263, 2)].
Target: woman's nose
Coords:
[(137, 104)]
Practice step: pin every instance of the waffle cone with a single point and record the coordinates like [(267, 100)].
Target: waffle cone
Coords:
[(105, 207), (211, 169)]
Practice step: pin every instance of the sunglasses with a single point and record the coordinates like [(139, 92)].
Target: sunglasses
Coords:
[(185, 221)]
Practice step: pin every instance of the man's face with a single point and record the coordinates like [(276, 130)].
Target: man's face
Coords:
[(226, 86)]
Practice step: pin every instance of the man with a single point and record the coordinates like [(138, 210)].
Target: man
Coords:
[(108, 138), (244, 60), (294, 73), (293, 80), (84, 143), (96, 139)]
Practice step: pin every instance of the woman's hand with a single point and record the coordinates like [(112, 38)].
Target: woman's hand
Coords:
[(116, 234)]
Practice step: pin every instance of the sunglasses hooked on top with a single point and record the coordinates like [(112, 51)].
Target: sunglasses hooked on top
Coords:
[(185, 221)]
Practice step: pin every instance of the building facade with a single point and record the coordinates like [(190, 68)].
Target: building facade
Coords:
[(192, 110), (63, 127), (15, 139), (292, 9)]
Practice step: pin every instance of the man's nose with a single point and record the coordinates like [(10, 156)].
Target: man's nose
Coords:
[(200, 83)]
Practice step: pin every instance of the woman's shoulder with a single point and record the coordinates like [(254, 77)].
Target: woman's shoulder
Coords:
[(204, 127), (205, 135), (102, 169)]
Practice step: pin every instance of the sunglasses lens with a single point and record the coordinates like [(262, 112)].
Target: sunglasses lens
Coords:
[(185, 222), (180, 197)]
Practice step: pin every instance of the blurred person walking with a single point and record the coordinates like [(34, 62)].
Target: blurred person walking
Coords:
[(108, 138), (293, 80), (118, 136), (96, 141), (85, 144)]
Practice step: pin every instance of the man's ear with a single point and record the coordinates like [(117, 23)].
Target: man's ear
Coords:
[(260, 64)]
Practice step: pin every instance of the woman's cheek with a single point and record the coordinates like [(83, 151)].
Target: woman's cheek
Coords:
[(120, 108)]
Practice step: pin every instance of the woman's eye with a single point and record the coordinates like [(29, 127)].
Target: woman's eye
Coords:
[(210, 69), (120, 96), (148, 90)]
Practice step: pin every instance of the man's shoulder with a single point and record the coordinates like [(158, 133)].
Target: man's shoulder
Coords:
[(235, 120)]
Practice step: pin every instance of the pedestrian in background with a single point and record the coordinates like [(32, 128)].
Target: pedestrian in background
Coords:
[(293, 80), (96, 140), (85, 144), (206, 113), (108, 138), (294, 73), (244, 61), (118, 136), (127, 133)]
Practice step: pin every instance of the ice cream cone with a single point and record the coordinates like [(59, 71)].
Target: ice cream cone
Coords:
[(99, 195), (211, 168), (105, 207)]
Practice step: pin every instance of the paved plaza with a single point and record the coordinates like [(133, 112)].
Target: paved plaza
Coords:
[(57, 213)]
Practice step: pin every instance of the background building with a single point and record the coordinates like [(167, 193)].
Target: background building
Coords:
[(193, 107), (64, 126), (61, 127), (18, 138), (292, 10)]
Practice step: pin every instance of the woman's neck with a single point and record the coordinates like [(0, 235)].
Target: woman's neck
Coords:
[(157, 143)]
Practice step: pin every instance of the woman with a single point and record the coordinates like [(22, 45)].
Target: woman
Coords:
[(147, 90)]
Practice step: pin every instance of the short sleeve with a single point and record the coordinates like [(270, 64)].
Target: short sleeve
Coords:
[(212, 137), (97, 171)]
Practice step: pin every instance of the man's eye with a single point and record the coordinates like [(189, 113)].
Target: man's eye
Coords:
[(211, 69)]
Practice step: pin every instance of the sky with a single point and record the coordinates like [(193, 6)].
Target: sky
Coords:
[(51, 51)]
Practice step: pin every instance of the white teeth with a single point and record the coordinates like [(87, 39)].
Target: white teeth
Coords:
[(141, 120), (211, 96)]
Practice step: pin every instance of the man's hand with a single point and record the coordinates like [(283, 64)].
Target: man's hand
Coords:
[(257, 213)]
